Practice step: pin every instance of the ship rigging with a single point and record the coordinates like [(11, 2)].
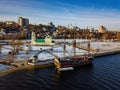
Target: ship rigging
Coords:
[(70, 62)]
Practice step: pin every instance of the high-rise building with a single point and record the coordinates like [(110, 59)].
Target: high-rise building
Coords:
[(23, 21)]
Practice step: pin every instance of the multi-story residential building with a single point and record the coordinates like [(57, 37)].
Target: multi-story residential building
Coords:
[(23, 21), (102, 29)]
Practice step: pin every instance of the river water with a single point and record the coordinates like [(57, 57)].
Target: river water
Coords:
[(103, 74)]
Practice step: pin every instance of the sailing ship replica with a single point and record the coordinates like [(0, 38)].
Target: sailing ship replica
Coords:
[(70, 62)]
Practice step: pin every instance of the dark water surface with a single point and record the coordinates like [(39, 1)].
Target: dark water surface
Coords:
[(104, 74)]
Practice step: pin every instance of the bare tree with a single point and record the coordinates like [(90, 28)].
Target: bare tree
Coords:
[(16, 46)]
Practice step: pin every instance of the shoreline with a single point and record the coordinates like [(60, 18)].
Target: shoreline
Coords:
[(12, 69), (108, 52), (27, 67)]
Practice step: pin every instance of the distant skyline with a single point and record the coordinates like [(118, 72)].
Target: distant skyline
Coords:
[(81, 13)]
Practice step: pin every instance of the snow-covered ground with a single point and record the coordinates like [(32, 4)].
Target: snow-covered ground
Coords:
[(105, 45), (57, 50), (3, 67)]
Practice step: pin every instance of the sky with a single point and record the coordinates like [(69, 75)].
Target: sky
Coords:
[(81, 13)]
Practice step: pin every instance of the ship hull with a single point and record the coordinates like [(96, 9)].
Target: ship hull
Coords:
[(72, 62)]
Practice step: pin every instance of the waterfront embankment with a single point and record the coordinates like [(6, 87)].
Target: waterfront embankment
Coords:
[(24, 67), (12, 69), (108, 52), (105, 48)]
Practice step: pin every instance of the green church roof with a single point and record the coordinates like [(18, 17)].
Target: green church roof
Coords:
[(40, 40)]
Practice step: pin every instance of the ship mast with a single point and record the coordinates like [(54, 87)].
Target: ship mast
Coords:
[(64, 44), (74, 43), (88, 45)]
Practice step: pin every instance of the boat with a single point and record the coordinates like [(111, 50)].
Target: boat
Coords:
[(34, 62), (73, 61)]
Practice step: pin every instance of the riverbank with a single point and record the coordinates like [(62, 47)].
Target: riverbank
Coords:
[(105, 48), (13, 68), (108, 52)]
